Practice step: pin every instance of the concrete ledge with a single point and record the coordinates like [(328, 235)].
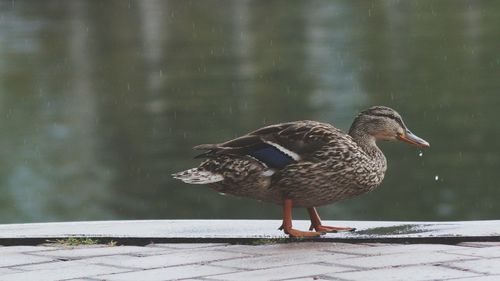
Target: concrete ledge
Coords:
[(143, 232)]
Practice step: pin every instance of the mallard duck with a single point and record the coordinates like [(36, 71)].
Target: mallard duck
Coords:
[(303, 164)]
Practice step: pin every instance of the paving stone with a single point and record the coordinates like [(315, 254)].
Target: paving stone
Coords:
[(63, 264), (480, 278), (485, 252), (83, 279), (7, 271), (161, 251), (179, 258), (275, 249), (14, 259), (59, 273), (190, 245), (23, 249), (284, 272), (410, 273), (281, 259), (288, 261), (78, 253), (399, 259), (168, 273), (313, 278), (487, 266), (385, 249)]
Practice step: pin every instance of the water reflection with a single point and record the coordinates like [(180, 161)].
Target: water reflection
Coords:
[(102, 101)]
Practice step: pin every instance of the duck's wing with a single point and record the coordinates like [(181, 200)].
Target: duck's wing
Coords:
[(276, 145)]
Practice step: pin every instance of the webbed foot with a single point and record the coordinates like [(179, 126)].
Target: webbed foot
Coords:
[(325, 228)]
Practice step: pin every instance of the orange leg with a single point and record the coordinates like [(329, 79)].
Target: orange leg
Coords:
[(287, 223), (316, 223)]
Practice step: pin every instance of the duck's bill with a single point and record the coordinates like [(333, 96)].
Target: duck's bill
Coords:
[(412, 139)]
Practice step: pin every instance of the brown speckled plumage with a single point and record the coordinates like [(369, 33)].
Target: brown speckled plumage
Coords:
[(322, 164)]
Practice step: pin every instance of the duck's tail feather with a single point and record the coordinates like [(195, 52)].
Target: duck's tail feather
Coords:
[(206, 146), (211, 150), (197, 176)]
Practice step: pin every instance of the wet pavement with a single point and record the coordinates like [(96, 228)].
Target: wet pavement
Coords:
[(264, 258)]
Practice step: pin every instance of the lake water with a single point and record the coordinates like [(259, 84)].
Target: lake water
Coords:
[(100, 101)]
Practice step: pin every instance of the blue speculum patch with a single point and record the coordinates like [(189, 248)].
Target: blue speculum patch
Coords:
[(271, 156)]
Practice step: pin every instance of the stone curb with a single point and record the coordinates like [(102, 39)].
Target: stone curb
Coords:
[(247, 232)]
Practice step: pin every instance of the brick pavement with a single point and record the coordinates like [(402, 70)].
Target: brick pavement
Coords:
[(280, 261)]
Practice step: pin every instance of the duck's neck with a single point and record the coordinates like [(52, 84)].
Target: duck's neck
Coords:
[(365, 141)]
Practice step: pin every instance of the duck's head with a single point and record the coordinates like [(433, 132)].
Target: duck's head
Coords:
[(384, 123)]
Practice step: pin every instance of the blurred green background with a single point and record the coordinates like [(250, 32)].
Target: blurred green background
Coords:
[(100, 101)]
